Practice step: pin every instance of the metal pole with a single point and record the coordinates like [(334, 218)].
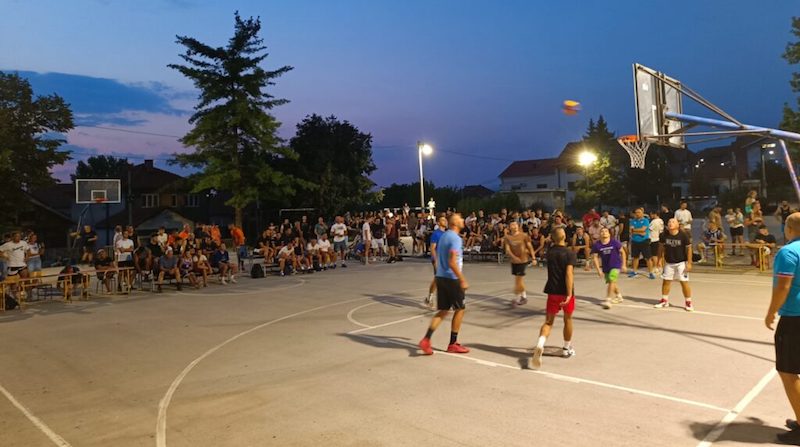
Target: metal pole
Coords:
[(763, 176), (790, 166), (421, 179)]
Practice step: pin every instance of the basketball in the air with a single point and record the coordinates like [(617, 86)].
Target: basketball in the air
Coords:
[(570, 107)]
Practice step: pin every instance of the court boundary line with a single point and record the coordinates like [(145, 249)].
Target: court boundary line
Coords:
[(38, 423), (732, 414)]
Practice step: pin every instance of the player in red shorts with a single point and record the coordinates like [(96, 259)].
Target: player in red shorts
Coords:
[(561, 263)]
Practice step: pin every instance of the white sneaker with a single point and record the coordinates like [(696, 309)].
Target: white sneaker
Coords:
[(689, 307), (663, 304), (233, 279), (224, 283), (567, 352), (618, 299), (607, 303), (520, 301), (536, 359)]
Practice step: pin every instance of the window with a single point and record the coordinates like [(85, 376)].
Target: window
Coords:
[(541, 186), (174, 200), (192, 200), (149, 200)]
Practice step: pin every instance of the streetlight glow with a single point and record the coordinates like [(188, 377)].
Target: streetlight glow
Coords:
[(586, 158), (422, 149)]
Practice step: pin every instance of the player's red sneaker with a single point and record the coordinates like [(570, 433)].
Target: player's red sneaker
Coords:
[(425, 345), (456, 348)]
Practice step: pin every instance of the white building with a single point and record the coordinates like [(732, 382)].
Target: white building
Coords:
[(550, 181)]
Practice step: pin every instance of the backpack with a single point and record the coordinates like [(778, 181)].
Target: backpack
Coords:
[(256, 271), (11, 303)]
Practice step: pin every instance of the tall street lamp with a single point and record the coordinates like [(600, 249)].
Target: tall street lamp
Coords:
[(586, 159), (763, 167), (422, 149)]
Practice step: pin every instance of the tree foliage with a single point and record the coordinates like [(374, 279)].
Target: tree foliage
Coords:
[(30, 140), (335, 160), (791, 115), (235, 137), (102, 166)]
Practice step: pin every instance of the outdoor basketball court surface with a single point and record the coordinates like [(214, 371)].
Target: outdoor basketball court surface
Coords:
[(331, 359)]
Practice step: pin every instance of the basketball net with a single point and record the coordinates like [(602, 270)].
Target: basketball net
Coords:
[(636, 148)]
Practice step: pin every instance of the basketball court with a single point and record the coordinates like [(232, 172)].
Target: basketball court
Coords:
[(331, 359)]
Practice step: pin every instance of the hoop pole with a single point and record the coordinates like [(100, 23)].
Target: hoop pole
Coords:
[(781, 134), (789, 165)]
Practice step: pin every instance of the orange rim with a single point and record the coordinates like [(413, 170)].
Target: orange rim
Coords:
[(628, 138)]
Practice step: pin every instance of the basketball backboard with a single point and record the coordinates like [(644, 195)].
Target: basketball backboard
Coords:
[(103, 190), (655, 95)]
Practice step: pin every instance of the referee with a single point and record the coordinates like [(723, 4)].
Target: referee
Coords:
[(786, 302)]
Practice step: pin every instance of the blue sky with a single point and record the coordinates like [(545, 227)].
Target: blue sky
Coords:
[(484, 78)]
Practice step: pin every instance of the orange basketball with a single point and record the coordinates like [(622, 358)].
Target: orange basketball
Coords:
[(570, 107)]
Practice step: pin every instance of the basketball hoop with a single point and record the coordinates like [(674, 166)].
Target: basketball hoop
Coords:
[(99, 200), (636, 148)]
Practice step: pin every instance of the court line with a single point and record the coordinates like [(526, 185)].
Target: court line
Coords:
[(352, 311), (391, 323), (564, 378), (717, 431), (57, 440), (681, 310)]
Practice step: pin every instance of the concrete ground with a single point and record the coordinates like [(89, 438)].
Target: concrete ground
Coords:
[(330, 359)]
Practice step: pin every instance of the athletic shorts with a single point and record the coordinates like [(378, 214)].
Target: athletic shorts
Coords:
[(340, 246), (449, 294), (554, 304), (612, 275), (392, 242), (640, 249), (518, 269), (787, 338), (123, 264), (737, 231), (655, 247), (675, 272)]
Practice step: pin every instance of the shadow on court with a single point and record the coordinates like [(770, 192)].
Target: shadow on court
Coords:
[(752, 431), (521, 355), (379, 341)]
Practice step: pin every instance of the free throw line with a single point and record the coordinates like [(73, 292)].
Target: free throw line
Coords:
[(57, 440)]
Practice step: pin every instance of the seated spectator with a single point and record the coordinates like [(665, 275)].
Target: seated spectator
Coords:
[(106, 268), (220, 260), (762, 241), (712, 237), (286, 257), (265, 247), (168, 268), (313, 254), (185, 232), (326, 252), (162, 237), (201, 265), (186, 266), (69, 277), (581, 245), (301, 260)]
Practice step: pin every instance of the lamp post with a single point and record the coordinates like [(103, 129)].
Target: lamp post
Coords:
[(422, 149), (763, 168)]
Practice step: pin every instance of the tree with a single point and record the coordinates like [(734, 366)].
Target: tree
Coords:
[(234, 136), (29, 140), (335, 160), (791, 117), (606, 178), (102, 166)]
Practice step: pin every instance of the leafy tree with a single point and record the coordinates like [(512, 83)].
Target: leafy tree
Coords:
[(335, 160), (779, 182), (29, 140), (102, 166), (235, 137), (791, 117), (606, 177)]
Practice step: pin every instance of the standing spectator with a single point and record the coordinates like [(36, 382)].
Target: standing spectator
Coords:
[(366, 238), (239, 244), (86, 238), (665, 214), (339, 231), (216, 235), (392, 238), (117, 235), (589, 217), (656, 228), (684, 218), (431, 208), (124, 251), (593, 230), (320, 228), (185, 232), (786, 303), (640, 243), (15, 253), (756, 220), (406, 210), (162, 237), (782, 213), (624, 229), (735, 221), (35, 252), (751, 198), (378, 230)]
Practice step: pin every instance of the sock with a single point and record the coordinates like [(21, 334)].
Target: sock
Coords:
[(524, 295), (540, 343), (664, 297), (430, 296), (429, 333), (567, 344), (689, 299), (453, 337)]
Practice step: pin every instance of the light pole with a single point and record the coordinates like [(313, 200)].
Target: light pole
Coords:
[(422, 149), (763, 168)]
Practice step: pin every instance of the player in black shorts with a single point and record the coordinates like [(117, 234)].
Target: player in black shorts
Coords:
[(450, 287)]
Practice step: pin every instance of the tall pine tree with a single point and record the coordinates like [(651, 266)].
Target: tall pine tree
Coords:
[(791, 117), (234, 136)]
